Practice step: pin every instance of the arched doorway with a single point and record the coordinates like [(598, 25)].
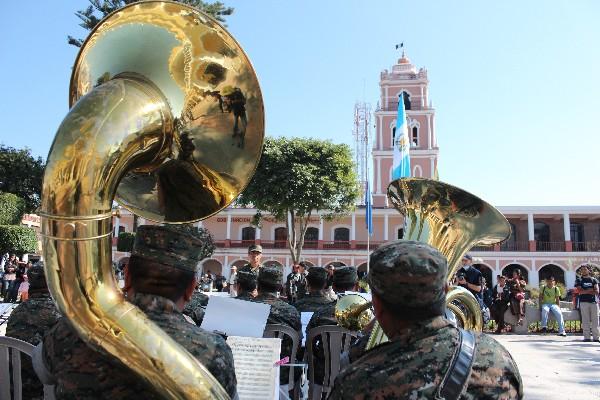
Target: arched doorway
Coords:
[(508, 270), (311, 238), (549, 270), (487, 273), (273, 263), (238, 263), (213, 266), (336, 264), (308, 263)]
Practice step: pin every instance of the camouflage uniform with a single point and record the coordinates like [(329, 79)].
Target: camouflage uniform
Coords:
[(248, 268), (29, 322), (195, 307), (313, 302), (84, 373), (281, 313), (410, 278)]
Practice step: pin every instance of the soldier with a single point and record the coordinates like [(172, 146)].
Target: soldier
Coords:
[(269, 280), (246, 286), (197, 304), (160, 279), (426, 356), (344, 279), (295, 284), (254, 258), (316, 298), (29, 322)]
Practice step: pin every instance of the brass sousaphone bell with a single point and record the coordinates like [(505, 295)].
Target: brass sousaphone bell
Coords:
[(452, 221), (167, 118)]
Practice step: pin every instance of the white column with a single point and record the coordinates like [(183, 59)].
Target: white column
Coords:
[(530, 227), (429, 143), (379, 133), (352, 263), (432, 167), (320, 228), (228, 235), (422, 97), (433, 137), (534, 275), (319, 261), (570, 279), (117, 226), (378, 175), (567, 227), (226, 262), (385, 227), (353, 230), (386, 99)]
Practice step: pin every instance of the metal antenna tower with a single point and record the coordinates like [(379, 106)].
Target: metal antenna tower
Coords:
[(361, 133)]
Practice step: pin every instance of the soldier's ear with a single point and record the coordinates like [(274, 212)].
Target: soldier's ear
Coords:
[(189, 291)]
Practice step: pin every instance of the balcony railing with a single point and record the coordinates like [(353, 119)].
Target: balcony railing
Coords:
[(586, 246), (240, 243), (372, 245), (549, 246), (336, 244), (483, 248), (274, 244)]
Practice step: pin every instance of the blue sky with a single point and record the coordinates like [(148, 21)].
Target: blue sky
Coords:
[(515, 84)]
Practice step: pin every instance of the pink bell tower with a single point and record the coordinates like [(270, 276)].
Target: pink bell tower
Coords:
[(403, 82)]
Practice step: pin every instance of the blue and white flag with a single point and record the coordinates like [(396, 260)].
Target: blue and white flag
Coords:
[(401, 145), (369, 210)]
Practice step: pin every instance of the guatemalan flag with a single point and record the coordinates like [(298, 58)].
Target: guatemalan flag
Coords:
[(369, 210), (401, 144)]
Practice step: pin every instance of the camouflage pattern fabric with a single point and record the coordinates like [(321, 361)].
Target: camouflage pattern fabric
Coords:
[(29, 322), (312, 302), (284, 314), (248, 268), (244, 296), (84, 373), (195, 307), (413, 365)]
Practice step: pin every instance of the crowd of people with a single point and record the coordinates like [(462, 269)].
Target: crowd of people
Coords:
[(408, 282), (14, 280)]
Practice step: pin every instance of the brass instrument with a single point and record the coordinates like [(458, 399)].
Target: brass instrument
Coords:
[(167, 117), (353, 312), (453, 221)]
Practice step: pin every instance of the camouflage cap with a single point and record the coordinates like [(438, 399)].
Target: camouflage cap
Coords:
[(255, 247), (317, 273), (168, 245), (409, 274), (270, 276), (245, 277), (345, 277), (36, 277)]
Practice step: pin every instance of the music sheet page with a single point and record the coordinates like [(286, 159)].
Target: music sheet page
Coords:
[(255, 370)]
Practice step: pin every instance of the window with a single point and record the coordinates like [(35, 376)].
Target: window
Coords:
[(280, 237), (541, 232), (400, 233), (341, 235), (415, 137), (248, 233), (577, 235), (311, 238), (121, 229)]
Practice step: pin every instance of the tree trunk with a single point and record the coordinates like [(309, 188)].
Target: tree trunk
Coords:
[(296, 234)]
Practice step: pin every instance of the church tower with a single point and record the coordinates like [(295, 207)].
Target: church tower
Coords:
[(403, 82)]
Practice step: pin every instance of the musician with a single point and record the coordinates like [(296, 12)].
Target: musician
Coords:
[(316, 297), (295, 284), (408, 284), (246, 286), (160, 279)]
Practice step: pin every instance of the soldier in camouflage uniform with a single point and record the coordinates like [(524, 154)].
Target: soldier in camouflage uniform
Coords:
[(246, 286), (255, 258), (408, 283), (316, 297), (344, 279), (29, 322), (269, 280), (160, 278)]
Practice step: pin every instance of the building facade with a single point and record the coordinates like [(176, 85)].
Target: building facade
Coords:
[(545, 240)]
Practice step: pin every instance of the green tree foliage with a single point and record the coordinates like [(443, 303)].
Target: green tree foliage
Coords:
[(125, 241), (22, 175), (12, 208), (99, 9), (17, 239), (297, 177)]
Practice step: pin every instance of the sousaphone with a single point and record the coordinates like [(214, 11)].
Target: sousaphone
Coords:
[(167, 119)]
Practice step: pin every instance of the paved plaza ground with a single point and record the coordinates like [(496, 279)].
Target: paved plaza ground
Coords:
[(554, 367)]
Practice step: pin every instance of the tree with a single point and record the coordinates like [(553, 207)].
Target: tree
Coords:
[(22, 175), (297, 177), (12, 208), (98, 9), (17, 239)]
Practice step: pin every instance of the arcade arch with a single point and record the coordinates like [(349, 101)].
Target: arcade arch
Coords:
[(554, 270), (508, 270), (595, 270), (336, 264), (487, 272), (212, 265)]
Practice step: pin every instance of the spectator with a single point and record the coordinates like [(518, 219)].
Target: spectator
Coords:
[(470, 278), (295, 285), (500, 300), (587, 288), (233, 281), (517, 295), (550, 302), (219, 283), (10, 274)]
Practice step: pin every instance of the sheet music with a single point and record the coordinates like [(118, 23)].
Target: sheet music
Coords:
[(255, 370), (235, 317)]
